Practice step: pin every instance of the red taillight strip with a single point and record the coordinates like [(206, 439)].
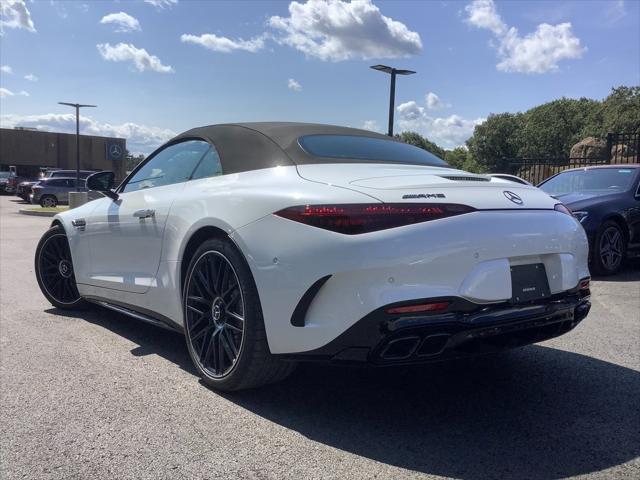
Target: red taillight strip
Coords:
[(424, 307), (356, 218)]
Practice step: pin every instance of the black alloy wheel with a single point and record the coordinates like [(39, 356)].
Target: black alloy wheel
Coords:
[(215, 314), (223, 323), (610, 248), (54, 270)]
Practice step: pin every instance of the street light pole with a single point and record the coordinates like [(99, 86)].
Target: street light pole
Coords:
[(77, 106), (392, 101), (392, 91)]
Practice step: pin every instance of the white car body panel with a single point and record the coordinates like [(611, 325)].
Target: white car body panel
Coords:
[(139, 262)]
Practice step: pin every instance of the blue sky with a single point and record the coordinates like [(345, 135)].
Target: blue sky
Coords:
[(158, 67)]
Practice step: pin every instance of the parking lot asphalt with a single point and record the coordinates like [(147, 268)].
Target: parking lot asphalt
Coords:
[(99, 395)]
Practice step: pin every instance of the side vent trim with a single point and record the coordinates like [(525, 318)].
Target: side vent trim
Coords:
[(299, 314)]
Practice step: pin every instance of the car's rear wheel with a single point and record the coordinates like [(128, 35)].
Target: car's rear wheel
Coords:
[(224, 327), (610, 249), (48, 201), (54, 270)]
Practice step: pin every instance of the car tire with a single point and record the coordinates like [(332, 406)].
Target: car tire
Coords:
[(54, 271), (224, 327), (609, 249), (48, 201)]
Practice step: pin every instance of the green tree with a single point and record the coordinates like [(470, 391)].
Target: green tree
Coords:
[(417, 140), (496, 141), (131, 161), (456, 157), (551, 129), (620, 111)]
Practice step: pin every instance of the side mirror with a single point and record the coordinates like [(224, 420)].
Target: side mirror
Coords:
[(103, 182)]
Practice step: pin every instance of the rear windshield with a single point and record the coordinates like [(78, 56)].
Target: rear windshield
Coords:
[(597, 181), (367, 149)]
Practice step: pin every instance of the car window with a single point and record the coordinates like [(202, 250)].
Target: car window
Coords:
[(367, 149), (594, 181), (209, 166), (173, 164)]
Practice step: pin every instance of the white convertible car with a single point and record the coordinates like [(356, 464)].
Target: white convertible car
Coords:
[(272, 243)]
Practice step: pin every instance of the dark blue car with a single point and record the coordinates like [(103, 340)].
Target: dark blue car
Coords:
[(606, 200)]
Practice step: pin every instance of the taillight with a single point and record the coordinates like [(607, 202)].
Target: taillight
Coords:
[(355, 218), (420, 308), (562, 208)]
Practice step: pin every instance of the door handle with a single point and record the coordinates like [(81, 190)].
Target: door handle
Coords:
[(144, 213)]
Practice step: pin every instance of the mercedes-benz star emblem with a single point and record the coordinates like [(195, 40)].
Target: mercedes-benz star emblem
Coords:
[(115, 151), (513, 197)]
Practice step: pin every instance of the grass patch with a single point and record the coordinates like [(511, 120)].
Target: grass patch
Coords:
[(48, 209)]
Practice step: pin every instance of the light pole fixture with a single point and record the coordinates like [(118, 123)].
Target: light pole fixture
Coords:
[(77, 106), (392, 93)]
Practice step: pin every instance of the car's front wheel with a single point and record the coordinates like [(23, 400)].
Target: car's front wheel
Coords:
[(610, 249), (48, 201), (224, 327), (54, 270)]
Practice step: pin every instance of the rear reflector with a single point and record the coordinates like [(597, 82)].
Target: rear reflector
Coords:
[(424, 307), (355, 218), (584, 284)]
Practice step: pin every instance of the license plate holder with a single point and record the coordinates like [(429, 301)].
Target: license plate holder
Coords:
[(529, 283)]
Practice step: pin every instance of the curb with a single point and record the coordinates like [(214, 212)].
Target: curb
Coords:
[(36, 213)]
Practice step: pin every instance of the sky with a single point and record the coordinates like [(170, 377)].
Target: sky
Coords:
[(155, 68)]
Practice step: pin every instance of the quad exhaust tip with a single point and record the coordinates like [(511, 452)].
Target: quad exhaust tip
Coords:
[(405, 347)]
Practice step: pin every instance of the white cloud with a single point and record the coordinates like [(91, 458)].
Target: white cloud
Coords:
[(140, 138), (15, 14), (448, 132), (336, 30), (126, 52), (223, 44), (5, 92), (537, 52), (161, 3), (6, 69), (31, 77), (122, 21), (615, 11), (371, 125), (483, 14), (294, 85), (434, 102)]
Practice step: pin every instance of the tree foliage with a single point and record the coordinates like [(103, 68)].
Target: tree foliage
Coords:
[(546, 131), (417, 140), (551, 129)]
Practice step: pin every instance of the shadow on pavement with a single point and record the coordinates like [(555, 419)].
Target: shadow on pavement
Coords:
[(536, 412), (150, 339), (630, 273)]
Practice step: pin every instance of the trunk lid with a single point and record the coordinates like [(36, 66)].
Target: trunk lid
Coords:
[(397, 183)]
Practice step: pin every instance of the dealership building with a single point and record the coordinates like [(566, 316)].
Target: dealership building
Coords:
[(30, 151)]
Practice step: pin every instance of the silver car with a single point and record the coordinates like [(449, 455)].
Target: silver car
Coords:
[(50, 192)]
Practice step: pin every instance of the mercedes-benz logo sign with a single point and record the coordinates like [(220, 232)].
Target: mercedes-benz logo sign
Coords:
[(513, 197), (115, 151)]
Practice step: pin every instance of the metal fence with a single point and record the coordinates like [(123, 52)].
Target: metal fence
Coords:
[(622, 148)]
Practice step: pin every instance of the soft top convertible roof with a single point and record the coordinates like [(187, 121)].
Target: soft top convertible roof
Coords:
[(252, 146)]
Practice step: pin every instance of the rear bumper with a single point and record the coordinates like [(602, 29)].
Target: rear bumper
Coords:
[(384, 339), (468, 257)]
